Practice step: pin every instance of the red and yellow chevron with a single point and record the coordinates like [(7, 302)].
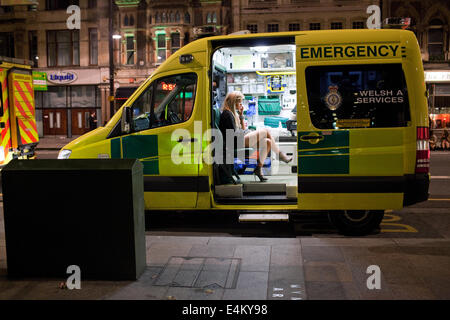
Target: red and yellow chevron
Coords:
[(23, 101), (5, 142)]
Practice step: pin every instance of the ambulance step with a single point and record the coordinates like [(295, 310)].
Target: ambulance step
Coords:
[(264, 188), (263, 217)]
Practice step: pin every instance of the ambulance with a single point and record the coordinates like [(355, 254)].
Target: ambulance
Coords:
[(19, 135), (349, 106)]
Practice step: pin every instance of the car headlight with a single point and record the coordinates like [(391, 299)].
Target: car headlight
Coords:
[(64, 154)]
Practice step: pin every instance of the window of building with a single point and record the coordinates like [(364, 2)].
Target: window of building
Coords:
[(161, 47), (167, 101), (33, 47), (336, 25), (177, 17), (130, 49), (63, 48), (314, 26), (6, 9), (93, 47), (60, 4), (272, 27), (172, 17), (163, 17), (375, 95), (157, 18), (7, 44), (436, 40), (187, 18), (214, 17), (126, 20), (131, 20), (358, 25), (175, 41), (253, 28), (208, 18), (92, 4), (294, 26)]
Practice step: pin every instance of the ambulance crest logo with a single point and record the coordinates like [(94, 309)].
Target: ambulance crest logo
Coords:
[(333, 98)]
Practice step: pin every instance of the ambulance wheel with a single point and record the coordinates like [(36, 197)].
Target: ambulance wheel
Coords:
[(356, 222)]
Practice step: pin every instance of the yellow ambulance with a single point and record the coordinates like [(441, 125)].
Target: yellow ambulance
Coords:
[(19, 135), (349, 106)]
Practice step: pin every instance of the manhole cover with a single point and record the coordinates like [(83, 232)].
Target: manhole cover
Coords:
[(200, 272)]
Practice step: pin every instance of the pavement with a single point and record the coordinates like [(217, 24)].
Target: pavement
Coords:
[(53, 142), (206, 265)]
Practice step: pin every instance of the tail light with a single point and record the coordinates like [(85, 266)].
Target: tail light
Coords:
[(423, 150)]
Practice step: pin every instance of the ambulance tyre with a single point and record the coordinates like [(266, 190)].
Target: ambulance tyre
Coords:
[(356, 222)]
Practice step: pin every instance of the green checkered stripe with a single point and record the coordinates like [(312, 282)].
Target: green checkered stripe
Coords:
[(144, 148), (329, 156)]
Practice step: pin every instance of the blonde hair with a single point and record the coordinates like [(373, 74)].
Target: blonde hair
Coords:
[(230, 103)]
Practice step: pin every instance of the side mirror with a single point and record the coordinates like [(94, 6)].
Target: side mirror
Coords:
[(126, 120)]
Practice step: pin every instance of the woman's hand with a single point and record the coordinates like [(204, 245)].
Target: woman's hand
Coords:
[(240, 109)]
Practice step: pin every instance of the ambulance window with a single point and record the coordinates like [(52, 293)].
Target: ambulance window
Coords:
[(141, 110), (174, 99), (357, 96)]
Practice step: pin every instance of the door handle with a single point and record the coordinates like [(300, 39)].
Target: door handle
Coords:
[(180, 139), (312, 138)]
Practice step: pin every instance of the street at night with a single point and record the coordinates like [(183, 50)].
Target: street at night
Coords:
[(225, 158)]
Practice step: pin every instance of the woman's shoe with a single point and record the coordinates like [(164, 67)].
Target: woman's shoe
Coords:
[(258, 173), (284, 158)]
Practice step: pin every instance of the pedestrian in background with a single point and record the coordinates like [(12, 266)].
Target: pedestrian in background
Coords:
[(92, 121), (445, 140)]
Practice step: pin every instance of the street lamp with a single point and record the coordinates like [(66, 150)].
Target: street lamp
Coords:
[(111, 62)]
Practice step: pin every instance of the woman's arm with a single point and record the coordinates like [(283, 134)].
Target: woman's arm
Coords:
[(227, 120)]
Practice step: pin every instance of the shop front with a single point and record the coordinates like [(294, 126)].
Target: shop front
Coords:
[(438, 86), (71, 97)]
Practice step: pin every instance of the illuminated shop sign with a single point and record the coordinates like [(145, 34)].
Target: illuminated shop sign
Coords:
[(61, 77), (168, 86), (436, 76)]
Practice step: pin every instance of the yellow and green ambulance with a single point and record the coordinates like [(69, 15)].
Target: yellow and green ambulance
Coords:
[(350, 106)]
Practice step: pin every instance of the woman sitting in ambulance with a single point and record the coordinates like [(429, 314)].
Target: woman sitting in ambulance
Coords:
[(232, 118)]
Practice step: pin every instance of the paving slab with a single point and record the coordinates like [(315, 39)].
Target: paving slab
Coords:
[(212, 250), (286, 283), (411, 292), (250, 286), (254, 258), (142, 289), (252, 241), (331, 291), (158, 254), (327, 271), (322, 253), (341, 242), (286, 255), (149, 240)]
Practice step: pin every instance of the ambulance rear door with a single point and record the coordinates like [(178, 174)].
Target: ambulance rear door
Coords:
[(354, 122)]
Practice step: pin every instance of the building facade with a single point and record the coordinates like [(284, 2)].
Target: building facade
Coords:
[(147, 32), (295, 15), (76, 60), (430, 21)]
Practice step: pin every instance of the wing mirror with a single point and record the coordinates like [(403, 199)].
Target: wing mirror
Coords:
[(126, 120)]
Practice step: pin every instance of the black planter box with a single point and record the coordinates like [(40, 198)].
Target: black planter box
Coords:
[(84, 212)]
